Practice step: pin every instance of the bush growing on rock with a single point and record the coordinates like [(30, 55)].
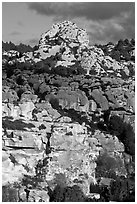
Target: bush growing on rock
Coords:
[(53, 101), (122, 190), (60, 70), (67, 194), (116, 55), (34, 82), (128, 138), (42, 126), (60, 180), (10, 194), (106, 166), (20, 92), (19, 80), (42, 70), (125, 133), (9, 70), (15, 125), (131, 70), (44, 88)]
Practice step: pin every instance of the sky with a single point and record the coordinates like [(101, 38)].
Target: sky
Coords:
[(24, 22)]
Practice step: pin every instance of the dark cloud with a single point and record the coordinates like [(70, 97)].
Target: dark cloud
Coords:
[(90, 10), (104, 21), (106, 35)]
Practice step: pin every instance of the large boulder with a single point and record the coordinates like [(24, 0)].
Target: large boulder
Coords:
[(68, 99), (26, 109), (100, 99)]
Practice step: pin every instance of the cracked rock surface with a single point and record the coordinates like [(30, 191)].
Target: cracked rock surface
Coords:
[(68, 120)]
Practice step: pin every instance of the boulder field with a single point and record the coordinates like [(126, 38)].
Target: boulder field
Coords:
[(68, 120)]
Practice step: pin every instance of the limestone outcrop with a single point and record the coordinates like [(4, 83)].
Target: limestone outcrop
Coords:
[(68, 120)]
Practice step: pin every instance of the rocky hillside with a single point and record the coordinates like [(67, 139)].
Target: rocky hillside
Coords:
[(68, 120)]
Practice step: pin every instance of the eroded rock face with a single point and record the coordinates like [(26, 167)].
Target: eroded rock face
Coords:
[(67, 31), (26, 109), (72, 155), (67, 133), (63, 40)]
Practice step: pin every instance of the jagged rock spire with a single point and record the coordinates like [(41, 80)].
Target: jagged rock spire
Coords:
[(63, 39)]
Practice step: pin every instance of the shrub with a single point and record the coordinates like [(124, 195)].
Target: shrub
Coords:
[(9, 70), (20, 92), (42, 126), (67, 194), (122, 190), (53, 101), (60, 70), (131, 70), (19, 80), (9, 194), (132, 42), (44, 88), (106, 166), (116, 124), (115, 55), (15, 125), (123, 75), (128, 138), (125, 133)]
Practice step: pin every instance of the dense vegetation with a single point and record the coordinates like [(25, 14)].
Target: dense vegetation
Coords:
[(21, 48)]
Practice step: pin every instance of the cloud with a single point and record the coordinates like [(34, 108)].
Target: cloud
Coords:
[(129, 24), (15, 33), (20, 23), (109, 30), (104, 21), (89, 10)]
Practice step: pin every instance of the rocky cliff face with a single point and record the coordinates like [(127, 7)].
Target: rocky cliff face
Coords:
[(68, 121)]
